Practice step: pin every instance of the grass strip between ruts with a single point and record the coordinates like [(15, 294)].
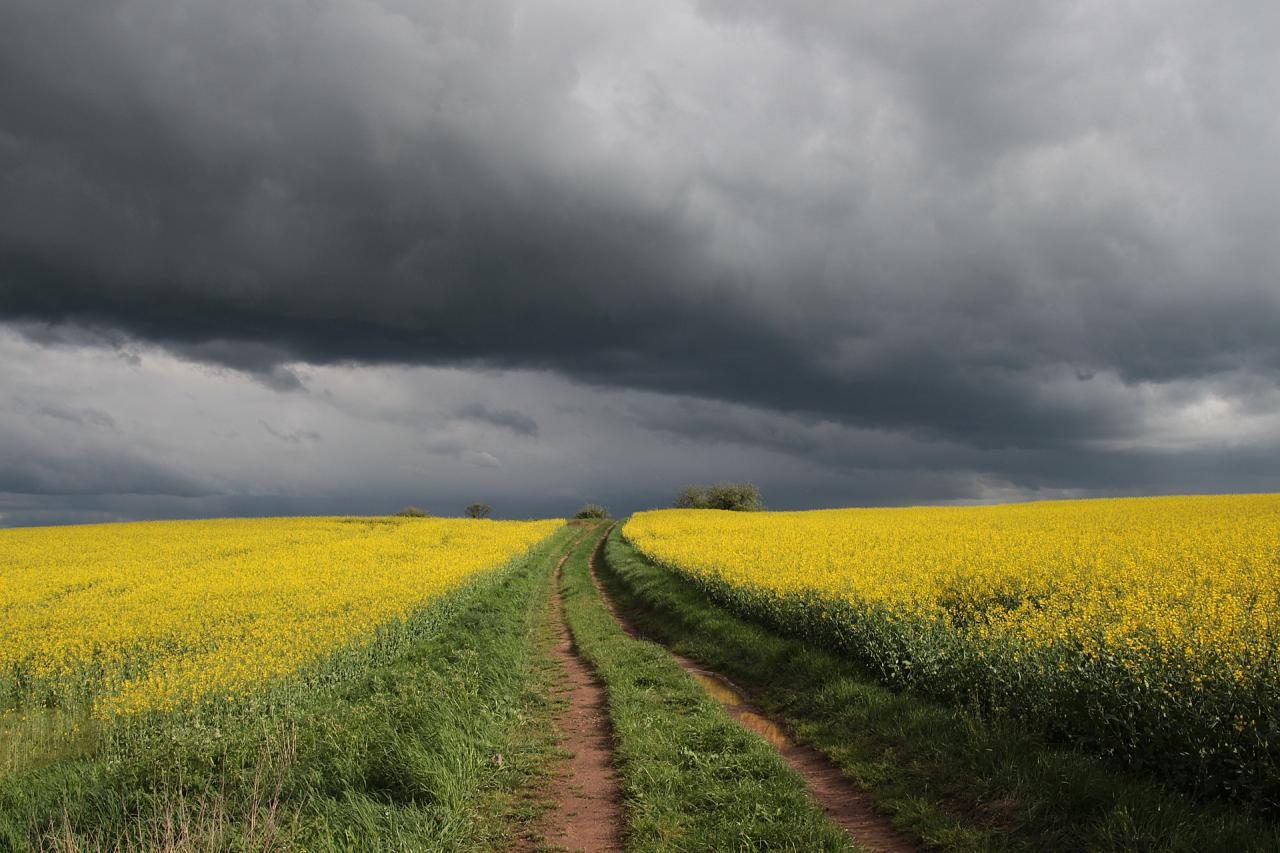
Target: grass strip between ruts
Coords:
[(692, 778), (956, 779)]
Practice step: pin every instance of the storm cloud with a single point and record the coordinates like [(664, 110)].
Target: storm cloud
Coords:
[(869, 253), (510, 419)]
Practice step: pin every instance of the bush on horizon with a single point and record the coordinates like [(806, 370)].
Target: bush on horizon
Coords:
[(738, 497)]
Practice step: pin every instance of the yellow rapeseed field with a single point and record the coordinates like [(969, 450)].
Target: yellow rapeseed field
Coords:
[(1148, 627), (157, 615)]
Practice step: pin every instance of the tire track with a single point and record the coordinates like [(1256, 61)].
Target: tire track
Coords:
[(587, 814), (847, 805)]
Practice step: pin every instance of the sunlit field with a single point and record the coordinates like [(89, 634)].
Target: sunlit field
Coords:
[(1146, 628), (125, 618)]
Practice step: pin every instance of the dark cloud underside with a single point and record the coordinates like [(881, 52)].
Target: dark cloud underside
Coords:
[(1030, 229)]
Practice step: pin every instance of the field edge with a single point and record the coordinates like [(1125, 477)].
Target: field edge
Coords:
[(954, 778)]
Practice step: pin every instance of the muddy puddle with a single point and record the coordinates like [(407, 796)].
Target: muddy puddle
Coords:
[(736, 704)]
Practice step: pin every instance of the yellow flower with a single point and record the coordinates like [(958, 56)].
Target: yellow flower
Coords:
[(1178, 591), (157, 615)]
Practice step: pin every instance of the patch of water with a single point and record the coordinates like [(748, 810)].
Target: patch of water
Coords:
[(736, 704)]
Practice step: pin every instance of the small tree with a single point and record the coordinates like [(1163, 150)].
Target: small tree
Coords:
[(479, 510), (739, 497), (412, 512), (692, 497), (592, 511)]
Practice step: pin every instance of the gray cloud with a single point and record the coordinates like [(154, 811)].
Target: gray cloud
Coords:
[(79, 417), (42, 464), (190, 441), (510, 419), (993, 249), (459, 451), (41, 475), (298, 436)]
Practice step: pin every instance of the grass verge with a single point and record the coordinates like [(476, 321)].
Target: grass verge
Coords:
[(433, 748), (957, 779), (692, 778)]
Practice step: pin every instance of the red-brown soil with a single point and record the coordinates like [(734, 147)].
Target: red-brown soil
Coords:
[(587, 814)]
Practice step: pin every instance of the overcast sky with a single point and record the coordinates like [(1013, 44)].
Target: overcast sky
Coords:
[(341, 255)]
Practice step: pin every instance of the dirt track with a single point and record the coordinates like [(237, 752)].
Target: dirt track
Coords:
[(848, 806), (587, 814)]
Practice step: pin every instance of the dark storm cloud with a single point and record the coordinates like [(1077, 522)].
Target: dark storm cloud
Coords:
[(510, 419), (942, 238)]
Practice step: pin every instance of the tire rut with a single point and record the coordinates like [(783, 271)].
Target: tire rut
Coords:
[(847, 805), (587, 814)]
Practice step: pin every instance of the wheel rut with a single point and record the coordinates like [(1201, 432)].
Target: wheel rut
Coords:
[(847, 805), (587, 812)]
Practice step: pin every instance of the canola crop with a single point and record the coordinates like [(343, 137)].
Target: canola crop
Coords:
[(1144, 628), (158, 616)]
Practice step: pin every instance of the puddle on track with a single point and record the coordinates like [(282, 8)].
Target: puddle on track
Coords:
[(736, 704)]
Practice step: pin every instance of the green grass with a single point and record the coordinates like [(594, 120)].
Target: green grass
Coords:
[(435, 747), (692, 778), (956, 778)]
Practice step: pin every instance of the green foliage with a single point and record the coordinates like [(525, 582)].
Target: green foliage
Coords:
[(739, 497), (479, 510), (691, 497), (592, 511), (412, 512), (959, 778)]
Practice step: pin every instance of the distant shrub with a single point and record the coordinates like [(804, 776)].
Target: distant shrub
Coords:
[(740, 497), (479, 510), (592, 511), (412, 512), (692, 497)]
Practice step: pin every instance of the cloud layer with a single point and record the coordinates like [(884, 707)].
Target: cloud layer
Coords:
[(945, 252)]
